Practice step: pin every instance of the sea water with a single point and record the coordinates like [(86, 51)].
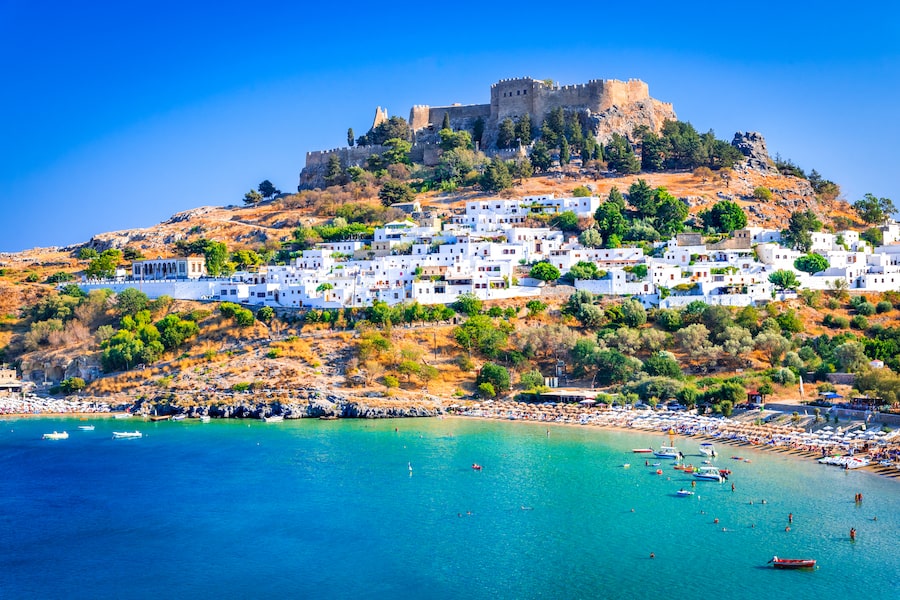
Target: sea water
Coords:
[(394, 509)]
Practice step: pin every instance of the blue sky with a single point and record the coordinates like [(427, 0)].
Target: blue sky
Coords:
[(117, 115)]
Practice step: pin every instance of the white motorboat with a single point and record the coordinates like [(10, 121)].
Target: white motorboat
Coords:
[(685, 493), (56, 435), (274, 419), (179, 417), (709, 473), (708, 449), (667, 452), (127, 435), (86, 427), (205, 419), (122, 416)]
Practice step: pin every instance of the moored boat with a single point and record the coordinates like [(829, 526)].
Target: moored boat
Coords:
[(126, 415), (709, 473), (86, 427), (160, 417), (273, 419), (205, 419), (124, 435), (56, 435), (793, 563), (685, 493), (708, 449), (642, 450), (179, 417), (667, 452)]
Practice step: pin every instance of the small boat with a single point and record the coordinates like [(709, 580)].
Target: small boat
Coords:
[(793, 563), (708, 449), (56, 435), (127, 435), (667, 452), (642, 450), (86, 427), (626, 466), (122, 415), (685, 493), (709, 474), (205, 419), (274, 419), (179, 417)]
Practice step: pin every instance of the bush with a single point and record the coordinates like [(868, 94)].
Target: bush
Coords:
[(391, 382), (883, 307), (865, 308), (762, 193), (72, 385), (240, 387), (859, 322), (244, 317), (581, 192), (496, 375), (486, 390), (531, 379)]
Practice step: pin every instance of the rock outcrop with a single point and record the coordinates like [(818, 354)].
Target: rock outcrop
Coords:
[(753, 145)]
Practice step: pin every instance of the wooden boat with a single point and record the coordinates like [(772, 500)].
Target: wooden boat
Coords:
[(793, 563), (56, 435), (125, 435)]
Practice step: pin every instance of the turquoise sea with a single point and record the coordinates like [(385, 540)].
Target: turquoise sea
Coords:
[(331, 509)]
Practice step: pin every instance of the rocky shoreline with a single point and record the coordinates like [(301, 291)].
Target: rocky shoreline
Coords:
[(304, 404)]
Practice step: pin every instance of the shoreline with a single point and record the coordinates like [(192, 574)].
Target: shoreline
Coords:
[(721, 431)]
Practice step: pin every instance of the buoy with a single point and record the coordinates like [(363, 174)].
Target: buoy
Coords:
[(659, 471)]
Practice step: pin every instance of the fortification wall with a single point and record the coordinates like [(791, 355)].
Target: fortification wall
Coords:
[(513, 98), (462, 116), (350, 156)]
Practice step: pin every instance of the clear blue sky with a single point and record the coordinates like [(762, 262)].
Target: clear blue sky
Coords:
[(117, 115)]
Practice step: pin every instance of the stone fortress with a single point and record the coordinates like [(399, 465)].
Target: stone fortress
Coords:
[(612, 106)]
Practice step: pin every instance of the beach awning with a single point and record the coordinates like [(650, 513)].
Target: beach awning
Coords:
[(587, 401)]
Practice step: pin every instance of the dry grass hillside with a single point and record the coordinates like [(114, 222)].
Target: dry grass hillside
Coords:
[(285, 355)]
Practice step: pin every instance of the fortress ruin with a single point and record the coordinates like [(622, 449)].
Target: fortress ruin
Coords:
[(612, 106)]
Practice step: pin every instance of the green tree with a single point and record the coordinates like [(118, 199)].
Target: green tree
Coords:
[(540, 157), (663, 364), (445, 124), (265, 314), (633, 313), (544, 271), (784, 280), (453, 140), (506, 133), (131, 301), (72, 385), (252, 197), (494, 374), (267, 189), (478, 130), (586, 270), (873, 210), (620, 156), (523, 129), (350, 137), (468, 304), (334, 172), (397, 151), (811, 263), (643, 198), (609, 220), (393, 192), (591, 238), (798, 234), (725, 216), (670, 213), (105, 264), (496, 176), (216, 254)]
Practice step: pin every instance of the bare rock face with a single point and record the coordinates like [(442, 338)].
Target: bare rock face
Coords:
[(753, 145)]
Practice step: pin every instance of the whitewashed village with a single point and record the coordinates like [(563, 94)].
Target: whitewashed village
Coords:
[(486, 250)]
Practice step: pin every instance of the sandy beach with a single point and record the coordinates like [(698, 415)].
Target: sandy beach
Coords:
[(873, 451)]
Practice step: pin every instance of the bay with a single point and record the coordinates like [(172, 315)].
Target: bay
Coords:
[(393, 508)]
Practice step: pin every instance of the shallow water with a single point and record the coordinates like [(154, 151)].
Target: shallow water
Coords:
[(331, 510)]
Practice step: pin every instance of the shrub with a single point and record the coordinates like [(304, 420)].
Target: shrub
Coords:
[(72, 385), (865, 308), (496, 375), (859, 322), (486, 390), (391, 382), (244, 317), (883, 307), (762, 193), (241, 387)]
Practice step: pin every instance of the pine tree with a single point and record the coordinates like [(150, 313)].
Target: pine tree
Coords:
[(446, 123), (350, 137)]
